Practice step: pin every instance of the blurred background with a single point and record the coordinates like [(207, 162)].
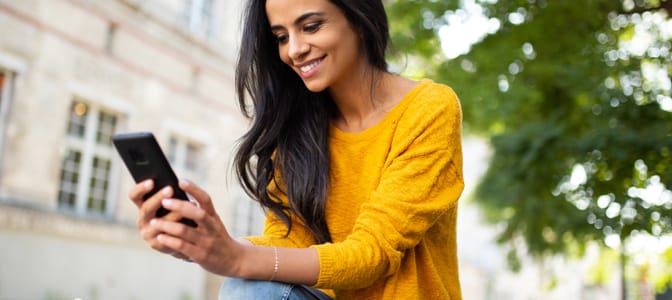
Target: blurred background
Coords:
[(567, 145)]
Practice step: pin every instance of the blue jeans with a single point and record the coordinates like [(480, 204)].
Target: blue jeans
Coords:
[(242, 289)]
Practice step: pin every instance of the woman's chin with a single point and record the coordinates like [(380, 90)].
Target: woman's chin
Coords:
[(315, 87)]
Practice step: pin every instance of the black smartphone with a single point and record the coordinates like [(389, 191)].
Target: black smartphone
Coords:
[(144, 159)]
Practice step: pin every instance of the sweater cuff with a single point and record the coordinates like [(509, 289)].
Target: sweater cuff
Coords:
[(258, 240), (327, 261)]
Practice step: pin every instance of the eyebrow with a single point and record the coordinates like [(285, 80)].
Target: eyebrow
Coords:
[(298, 20)]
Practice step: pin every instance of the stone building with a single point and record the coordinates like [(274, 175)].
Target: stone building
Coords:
[(74, 72)]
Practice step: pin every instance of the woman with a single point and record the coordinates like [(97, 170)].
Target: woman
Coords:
[(359, 170)]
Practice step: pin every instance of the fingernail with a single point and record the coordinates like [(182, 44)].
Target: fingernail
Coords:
[(153, 222), (159, 237), (166, 202), (184, 182), (148, 183), (166, 191)]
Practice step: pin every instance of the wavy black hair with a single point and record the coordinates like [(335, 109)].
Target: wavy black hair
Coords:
[(288, 142)]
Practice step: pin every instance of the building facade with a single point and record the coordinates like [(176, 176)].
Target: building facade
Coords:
[(74, 72)]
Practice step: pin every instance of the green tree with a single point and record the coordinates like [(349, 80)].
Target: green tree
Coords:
[(575, 98)]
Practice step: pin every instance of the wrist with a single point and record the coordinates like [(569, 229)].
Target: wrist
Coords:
[(242, 268)]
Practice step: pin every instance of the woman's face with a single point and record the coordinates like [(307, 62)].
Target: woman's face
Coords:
[(316, 40)]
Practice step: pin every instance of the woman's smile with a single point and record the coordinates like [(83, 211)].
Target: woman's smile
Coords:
[(307, 70)]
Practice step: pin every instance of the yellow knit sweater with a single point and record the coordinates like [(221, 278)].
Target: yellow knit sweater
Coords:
[(392, 204)]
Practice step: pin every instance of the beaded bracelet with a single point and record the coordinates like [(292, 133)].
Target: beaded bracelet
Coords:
[(275, 267)]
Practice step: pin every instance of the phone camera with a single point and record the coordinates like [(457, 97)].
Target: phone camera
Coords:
[(138, 157)]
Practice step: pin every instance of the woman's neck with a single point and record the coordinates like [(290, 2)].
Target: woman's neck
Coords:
[(364, 100)]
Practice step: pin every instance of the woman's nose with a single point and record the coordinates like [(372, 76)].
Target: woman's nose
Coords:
[(298, 48)]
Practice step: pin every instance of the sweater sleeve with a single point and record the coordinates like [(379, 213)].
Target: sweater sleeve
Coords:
[(421, 181), (275, 231), (275, 234)]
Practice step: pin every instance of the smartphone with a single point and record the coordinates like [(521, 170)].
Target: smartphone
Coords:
[(144, 159)]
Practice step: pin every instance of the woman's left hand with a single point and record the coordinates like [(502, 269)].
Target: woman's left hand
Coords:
[(209, 244)]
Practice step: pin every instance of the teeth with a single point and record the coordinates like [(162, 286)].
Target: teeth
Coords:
[(306, 69)]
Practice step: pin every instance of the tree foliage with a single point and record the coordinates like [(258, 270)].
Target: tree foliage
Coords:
[(579, 116)]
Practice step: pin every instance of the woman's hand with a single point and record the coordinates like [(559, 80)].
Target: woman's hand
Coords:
[(147, 212), (209, 244)]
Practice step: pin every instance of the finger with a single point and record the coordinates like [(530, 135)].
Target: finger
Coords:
[(149, 234), (173, 216), (175, 229), (181, 256), (139, 190), (198, 194), (194, 244), (184, 209), (150, 206), (186, 249)]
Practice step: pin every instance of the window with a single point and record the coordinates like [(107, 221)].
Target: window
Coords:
[(186, 158), (248, 216), (87, 163), (6, 80), (199, 17)]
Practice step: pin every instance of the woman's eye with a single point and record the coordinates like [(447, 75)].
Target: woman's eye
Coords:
[(312, 27), (281, 39)]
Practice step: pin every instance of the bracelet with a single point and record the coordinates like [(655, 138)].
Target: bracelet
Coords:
[(275, 267)]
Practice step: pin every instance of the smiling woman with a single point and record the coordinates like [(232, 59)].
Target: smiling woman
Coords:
[(358, 169)]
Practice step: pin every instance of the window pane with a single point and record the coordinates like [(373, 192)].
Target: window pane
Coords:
[(69, 179), (206, 17), (199, 16), (193, 157), (98, 185), (172, 150), (106, 127), (77, 121)]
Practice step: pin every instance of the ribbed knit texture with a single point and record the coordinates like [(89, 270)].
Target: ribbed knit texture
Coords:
[(392, 204)]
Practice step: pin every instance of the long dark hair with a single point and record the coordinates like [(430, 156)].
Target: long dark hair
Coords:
[(287, 144)]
